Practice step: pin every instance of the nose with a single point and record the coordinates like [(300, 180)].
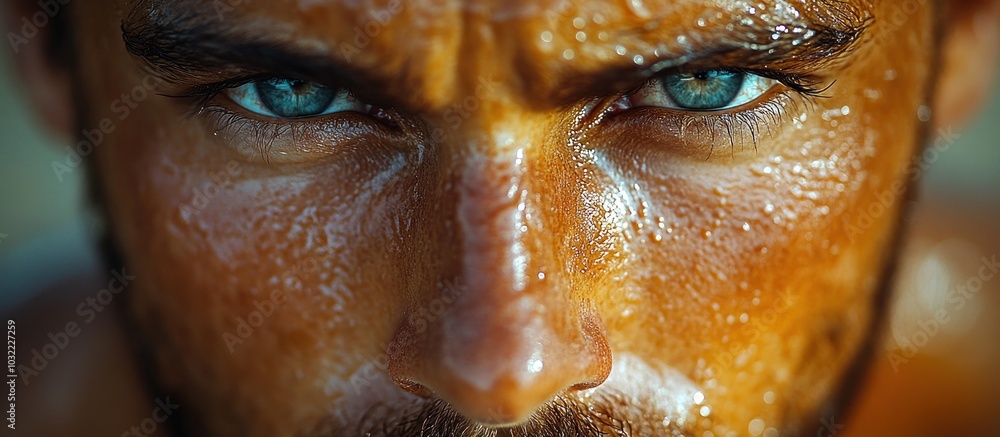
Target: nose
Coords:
[(509, 331)]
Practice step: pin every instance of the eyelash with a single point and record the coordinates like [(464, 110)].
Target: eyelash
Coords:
[(764, 115), (260, 132)]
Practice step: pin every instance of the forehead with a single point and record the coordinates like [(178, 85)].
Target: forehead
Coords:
[(433, 21)]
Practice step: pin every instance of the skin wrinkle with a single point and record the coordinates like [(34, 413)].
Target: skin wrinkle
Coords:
[(599, 201)]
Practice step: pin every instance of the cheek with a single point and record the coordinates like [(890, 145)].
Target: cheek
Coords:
[(759, 273), (220, 242)]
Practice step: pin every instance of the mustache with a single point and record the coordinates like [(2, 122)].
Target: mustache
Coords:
[(563, 416)]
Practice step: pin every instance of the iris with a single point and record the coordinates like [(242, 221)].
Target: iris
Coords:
[(704, 90), (292, 98)]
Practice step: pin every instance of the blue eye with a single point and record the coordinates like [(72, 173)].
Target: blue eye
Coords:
[(708, 90), (292, 98), (704, 89)]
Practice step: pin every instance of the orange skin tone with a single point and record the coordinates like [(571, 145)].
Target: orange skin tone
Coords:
[(676, 271)]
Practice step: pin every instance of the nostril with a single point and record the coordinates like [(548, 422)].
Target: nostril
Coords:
[(412, 386), (401, 357)]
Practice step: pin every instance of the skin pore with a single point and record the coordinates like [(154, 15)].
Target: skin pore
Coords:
[(510, 231)]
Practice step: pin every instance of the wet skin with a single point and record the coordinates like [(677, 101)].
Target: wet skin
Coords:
[(509, 223)]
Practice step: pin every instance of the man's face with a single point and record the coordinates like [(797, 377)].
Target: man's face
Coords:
[(395, 216)]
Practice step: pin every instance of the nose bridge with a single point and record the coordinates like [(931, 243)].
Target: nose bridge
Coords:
[(492, 214), (515, 335), (493, 211)]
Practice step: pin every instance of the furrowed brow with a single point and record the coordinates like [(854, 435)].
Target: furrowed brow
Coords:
[(184, 41), (829, 32)]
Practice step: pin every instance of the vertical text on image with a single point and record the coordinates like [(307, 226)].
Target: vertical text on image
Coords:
[(11, 376)]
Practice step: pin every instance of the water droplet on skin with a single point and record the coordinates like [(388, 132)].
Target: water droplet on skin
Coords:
[(638, 8), (705, 411), (769, 397), (638, 59), (846, 110), (698, 398), (744, 318), (924, 113), (535, 365), (890, 75), (546, 36), (541, 276), (620, 50), (581, 36), (756, 427), (707, 235), (746, 227), (579, 22), (568, 54)]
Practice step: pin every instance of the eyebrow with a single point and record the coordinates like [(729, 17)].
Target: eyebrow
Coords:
[(181, 42), (184, 44), (832, 30)]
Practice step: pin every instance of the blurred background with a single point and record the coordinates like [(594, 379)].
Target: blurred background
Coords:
[(927, 379)]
